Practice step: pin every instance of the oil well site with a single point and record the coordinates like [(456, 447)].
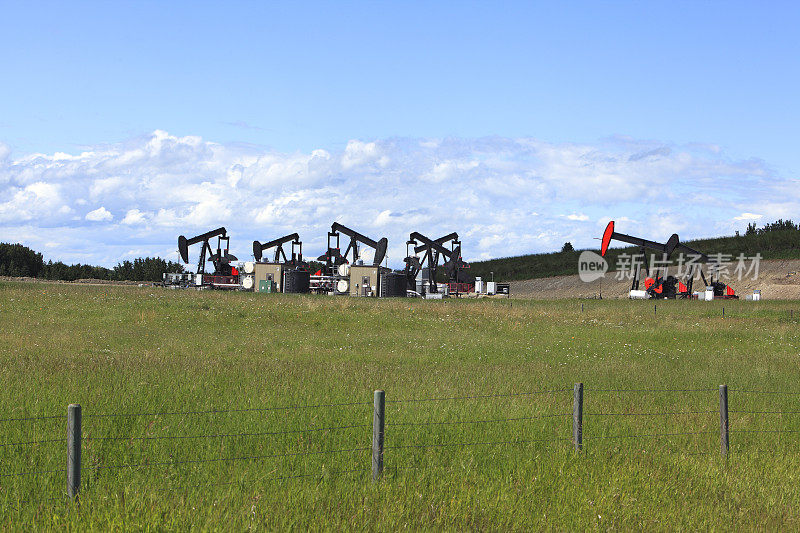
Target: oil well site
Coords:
[(399, 266), (434, 268)]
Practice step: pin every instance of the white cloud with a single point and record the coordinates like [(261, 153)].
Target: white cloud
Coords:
[(38, 200), (383, 218), (358, 153), (579, 217), (134, 217), (503, 196), (748, 216), (101, 214)]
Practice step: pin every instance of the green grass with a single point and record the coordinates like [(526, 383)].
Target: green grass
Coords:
[(783, 244), (144, 350)]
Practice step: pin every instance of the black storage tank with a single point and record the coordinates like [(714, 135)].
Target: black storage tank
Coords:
[(393, 284), (297, 281)]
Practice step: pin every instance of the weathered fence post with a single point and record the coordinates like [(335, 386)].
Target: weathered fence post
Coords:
[(577, 416), (73, 450), (723, 420), (378, 418)]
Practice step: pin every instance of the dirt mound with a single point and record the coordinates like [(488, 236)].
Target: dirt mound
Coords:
[(778, 279)]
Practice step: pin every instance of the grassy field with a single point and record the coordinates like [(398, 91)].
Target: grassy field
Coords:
[(172, 358)]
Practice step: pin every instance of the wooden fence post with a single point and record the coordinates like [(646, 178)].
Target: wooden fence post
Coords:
[(378, 418), (73, 450), (577, 416), (723, 420)]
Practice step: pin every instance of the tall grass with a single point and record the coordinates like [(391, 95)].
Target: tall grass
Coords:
[(119, 350)]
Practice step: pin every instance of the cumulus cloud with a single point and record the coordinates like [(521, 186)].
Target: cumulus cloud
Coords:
[(504, 196), (101, 214), (134, 217)]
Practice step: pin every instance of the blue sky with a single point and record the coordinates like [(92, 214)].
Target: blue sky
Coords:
[(567, 101)]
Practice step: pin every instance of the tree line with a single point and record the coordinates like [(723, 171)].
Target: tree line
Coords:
[(774, 240), (779, 225), (20, 261)]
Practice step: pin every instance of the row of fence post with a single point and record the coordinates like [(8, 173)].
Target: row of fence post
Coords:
[(577, 418), (74, 420), (378, 420)]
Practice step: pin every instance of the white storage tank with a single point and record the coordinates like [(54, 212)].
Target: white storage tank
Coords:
[(478, 285), (709, 294), (249, 267), (491, 287)]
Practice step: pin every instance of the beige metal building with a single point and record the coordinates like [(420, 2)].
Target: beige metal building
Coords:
[(269, 271), (365, 280)]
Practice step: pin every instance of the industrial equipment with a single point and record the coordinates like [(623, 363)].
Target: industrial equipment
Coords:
[(720, 289), (225, 276), (296, 251), (333, 257), (284, 273), (177, 280), (657, 286), (665, 286), (422, 265), (351, 276)]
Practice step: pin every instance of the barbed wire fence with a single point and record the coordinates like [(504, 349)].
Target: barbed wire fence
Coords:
[(386, 435)]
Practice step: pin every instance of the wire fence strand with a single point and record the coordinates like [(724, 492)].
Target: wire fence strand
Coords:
[(226, 459), (223, 411), (487, 421), (33, 473), (478, 396), (788, 393), (647, 435), (226, 435), (31, 442), (28, 418), (484, 443), (650, 390), (765, 412), (654, 413), (734, 430)]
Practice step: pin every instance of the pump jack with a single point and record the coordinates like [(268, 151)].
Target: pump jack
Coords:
[(658, 286), (333, 257), (432, 249), (221, 260), (297, 249)]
